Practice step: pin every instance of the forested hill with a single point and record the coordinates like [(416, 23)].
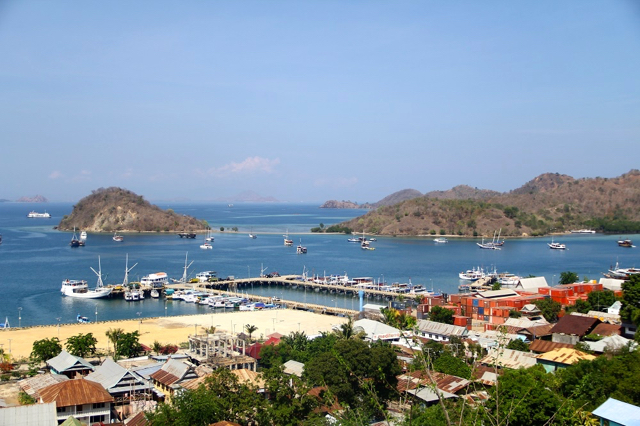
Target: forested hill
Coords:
[(549, 203), (116, 209)]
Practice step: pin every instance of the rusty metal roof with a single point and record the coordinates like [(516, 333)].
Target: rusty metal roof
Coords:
[(32, 385), (542, 346), (174, 371), (565, 356), (575, 325), (607, 329), (509, 358), (75, 392), (445, 382)]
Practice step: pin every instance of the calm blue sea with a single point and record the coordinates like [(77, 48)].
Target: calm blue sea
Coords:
[(35, 258)]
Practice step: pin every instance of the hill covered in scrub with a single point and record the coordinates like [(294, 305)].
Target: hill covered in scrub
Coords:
[(549, 203), (116, 209)]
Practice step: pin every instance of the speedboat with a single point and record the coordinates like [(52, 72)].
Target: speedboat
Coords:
[(206, 246), (556, 246), (440, 240), (79, 288), (82, 320), (36, 214), (118, 238), (83, 235)]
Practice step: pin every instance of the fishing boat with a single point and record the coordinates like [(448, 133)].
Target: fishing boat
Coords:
[(472, 274), (33, 214), (301, 249), (79, 288), (625, 243), (621, 273), (118, 238), (556, 246), (287, 241), (75, 241)]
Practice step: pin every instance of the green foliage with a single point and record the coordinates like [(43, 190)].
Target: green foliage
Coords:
[(82, 345), (518, 345), (339, 229), (630, 310), (125, 345), (601, 300), (222, 229), (26, 399), (440, 314), (398, 319), (496, 286), (449, 364), (113, 334), (581, 306), (568, 277), (45, 349), (549, 309), (250, 329), (510, 212), (515, 314)]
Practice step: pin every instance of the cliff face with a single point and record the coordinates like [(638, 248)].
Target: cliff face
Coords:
[(117, 209)]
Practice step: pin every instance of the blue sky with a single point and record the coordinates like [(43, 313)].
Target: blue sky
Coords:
[(313, 100)]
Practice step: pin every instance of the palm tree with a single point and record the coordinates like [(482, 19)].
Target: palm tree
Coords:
[(250, 329), (348, 331), (297, 340), (113, 334)]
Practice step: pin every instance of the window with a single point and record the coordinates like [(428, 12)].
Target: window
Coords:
[(98, 405), (79, 408), (61, 409), (96, 419)]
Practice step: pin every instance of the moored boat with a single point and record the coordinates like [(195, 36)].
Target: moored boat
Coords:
[(556, 246), (79, 288), (157, 280), (440, 240), (472, 274), (36, 214), (583, 231)]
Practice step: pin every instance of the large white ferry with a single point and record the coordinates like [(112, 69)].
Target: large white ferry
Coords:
[(157, 280), (36, 214), (80, 289)]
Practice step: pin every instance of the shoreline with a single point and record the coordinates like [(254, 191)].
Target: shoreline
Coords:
[(18, 342)]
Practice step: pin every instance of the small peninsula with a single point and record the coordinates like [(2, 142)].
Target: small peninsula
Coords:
[(116, 209), (34, 199)]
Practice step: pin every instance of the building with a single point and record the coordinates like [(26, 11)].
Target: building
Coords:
[(375, 330), (508, 358), (69, 365), (611, 343), (439, 331), (32, 385), (617, 413), (29, 415), (562, 358), (572, 328), (171, 375), (220, 350), (85, 400)]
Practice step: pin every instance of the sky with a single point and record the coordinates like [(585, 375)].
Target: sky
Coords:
[(307, 101)]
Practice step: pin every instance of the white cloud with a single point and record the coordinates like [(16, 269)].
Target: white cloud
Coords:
[(249, 165), (55, 174)]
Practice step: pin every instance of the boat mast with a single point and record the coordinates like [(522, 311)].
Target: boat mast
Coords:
[(186, 268), (126, 271), (99, 274)]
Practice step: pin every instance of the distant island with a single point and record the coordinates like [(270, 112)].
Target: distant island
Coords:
[(335, 204), (116, 209), (34, 199), (549, 203)]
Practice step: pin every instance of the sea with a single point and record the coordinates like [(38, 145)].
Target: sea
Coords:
[(35, 258)]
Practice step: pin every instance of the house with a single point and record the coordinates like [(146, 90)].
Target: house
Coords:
[(124, 385), (439, 331), (32, 385), (572, 328), (294, 368), (617, 413), (508, 358), (562, 358), (543, 346), (612, 343), (69, 365), (171, 375), (30, 415), (376, 330), (536, 332), (85, 400), (604, 329)]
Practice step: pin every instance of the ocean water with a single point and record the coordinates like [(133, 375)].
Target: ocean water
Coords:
[(35, 258)]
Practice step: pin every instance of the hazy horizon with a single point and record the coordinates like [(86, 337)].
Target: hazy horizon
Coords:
[(311, 101)]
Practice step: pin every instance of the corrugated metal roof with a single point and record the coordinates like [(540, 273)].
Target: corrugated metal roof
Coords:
[(613, 342), (376, 330), (75, 392), (293, 367), (542, 346), (575, 325), (533, 283), (509, 358), (32, 385), (67, 362), (607, 329), (441, 328), (110, 375), (619, 412), (30, 415), (495, 294), (173, 371), (445, 382), (565, 356)]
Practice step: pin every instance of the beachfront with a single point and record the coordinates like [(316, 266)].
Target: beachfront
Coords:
[(174, 330)]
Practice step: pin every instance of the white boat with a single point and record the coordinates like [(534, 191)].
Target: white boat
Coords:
[(252, 235), (440, 240), (495, 243), (75, 241), (301, 249), (206, 246), (36, 214), (135, 295), (287, 241), (209, 238), (556, 246), (583, 231), (206, 276), (83, 236), (622, 273), (128, 296), (118, 238), (79, 288), (157, 280), (472, 274)]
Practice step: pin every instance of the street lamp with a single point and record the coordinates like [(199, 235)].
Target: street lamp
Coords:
[(139, 321), (165, 309), (9, 345), (195, 329), (19, 316), (59, 318), (298, 327), (96, 313)]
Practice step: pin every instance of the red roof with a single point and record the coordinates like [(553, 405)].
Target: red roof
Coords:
[(75, 392)]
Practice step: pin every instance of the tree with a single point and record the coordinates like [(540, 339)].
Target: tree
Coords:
[(630, 310), (449, 364), (113, 334), (128, 345), (601, 300), (45, 349), (568, 277), (518, 345), (549, 309), (440, 314), (250, 329), (346, 331), (26, 399), (81, 345)]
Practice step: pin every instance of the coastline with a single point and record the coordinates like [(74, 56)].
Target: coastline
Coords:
[(18, 342)]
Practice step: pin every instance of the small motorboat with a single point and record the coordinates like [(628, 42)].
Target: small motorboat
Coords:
[(118, 238), (82, 320), (625, 243)]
